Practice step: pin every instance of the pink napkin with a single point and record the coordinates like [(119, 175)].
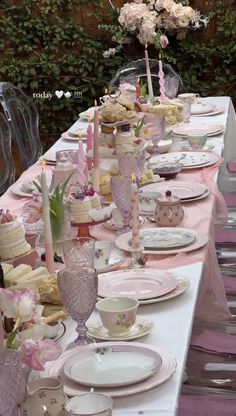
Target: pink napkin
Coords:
[(215, 342), (224, 235), (229, 285), (230, 200), (231, 166), (199, 405)]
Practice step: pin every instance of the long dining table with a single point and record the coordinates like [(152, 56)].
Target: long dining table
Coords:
[(205, 298)]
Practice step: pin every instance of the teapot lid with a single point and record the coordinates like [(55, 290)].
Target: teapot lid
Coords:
[(168, 199)]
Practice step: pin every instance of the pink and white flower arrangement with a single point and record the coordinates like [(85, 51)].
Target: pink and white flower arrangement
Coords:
[(22, 308), (147, 19)]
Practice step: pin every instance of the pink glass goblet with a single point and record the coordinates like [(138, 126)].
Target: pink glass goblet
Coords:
[(79, 252), (132, 163), (156, 124), (78, 290), (120, 191), (187, 103)]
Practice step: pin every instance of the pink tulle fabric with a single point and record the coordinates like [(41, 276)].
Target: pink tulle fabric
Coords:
[(199, 216)]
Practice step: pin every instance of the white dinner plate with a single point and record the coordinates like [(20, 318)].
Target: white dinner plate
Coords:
[(66, 136), (89, 113), (50, 157), (191, 160), (201, 108), (196, 129), (181, 189), (72, 388), (16, 189), (211, 113), (166, 238), (112, 366), (137, 283), (123, 242)]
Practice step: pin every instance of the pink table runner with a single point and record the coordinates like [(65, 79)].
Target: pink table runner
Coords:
[(199, 216)]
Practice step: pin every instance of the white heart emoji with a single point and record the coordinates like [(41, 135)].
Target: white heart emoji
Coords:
[(59, 94), (67, 94)]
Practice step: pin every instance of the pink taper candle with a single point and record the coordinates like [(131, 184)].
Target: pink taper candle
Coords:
[(81, 165), (89, 147), (149, 78), (49, 252), (95, 173), (161, 82), (135, 215)]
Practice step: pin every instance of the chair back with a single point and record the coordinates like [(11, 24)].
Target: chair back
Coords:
[(130, 72), (7, 166), (22, 117)]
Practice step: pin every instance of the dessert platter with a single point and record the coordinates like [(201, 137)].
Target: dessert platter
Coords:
[(165, 240), (189, 160), (159, 374), (141, 328), (194, 129)]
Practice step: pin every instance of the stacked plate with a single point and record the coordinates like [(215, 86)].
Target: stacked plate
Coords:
[(113, 368), (146, 285), (189, 160), (192, 129), (165, 240), (186, 191), (205, 109)]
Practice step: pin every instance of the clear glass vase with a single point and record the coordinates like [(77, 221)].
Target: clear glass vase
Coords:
[(12, 382)]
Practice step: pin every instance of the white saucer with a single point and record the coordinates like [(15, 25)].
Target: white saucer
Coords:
[(141, 328), (114, 263)]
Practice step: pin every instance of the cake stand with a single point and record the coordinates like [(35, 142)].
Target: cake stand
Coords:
[(83, 229)]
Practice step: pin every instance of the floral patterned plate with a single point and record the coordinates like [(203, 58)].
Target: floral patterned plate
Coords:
[(141, 328), (166, 238)]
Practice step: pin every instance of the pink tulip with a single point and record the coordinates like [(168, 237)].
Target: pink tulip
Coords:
[(19, 305), (36, 353)]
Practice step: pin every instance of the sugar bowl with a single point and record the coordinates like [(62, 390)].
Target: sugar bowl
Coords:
[(169, 211)]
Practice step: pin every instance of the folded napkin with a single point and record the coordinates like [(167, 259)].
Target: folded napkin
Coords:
[(225, 235), (231, 166), (199, 405), (230, 200), (229, 285), (101, 214), (215, 342)]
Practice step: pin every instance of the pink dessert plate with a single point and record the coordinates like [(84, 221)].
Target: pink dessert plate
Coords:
[(195, 129), (138, 283), (184, 190), (182, 285), (190, 160), (200, 240), (72, 388)]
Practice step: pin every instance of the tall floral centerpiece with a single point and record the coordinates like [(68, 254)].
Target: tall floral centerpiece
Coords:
[(151, 21)]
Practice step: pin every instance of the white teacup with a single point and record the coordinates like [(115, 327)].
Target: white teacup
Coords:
[(91, 404), (102, 254), (118, 314)]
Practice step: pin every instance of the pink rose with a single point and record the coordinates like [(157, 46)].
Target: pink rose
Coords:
[(164, 41)]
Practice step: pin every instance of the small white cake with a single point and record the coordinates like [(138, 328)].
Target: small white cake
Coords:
[(81, 203), (12, 237)]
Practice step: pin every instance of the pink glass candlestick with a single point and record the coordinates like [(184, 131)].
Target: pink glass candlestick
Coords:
[(89, 147), (81, 165), (161, 82)]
